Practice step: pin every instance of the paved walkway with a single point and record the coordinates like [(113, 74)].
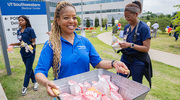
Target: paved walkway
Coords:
[(2, 94), (164, 57)]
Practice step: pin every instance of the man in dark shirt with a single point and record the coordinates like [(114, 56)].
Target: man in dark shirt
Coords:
[(176, 33)]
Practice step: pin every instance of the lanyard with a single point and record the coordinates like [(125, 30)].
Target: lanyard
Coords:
[(135, 33), (19, 36)]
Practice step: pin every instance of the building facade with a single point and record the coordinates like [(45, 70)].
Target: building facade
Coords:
[(94, 8)]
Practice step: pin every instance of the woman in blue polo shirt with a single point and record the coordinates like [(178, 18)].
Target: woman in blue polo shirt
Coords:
[(26, 36), (137, 43), (66, 52)]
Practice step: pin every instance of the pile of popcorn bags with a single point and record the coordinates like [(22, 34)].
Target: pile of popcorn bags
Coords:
[(104, 89)]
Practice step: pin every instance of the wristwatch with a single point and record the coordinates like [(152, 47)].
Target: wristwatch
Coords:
[(132, 45)]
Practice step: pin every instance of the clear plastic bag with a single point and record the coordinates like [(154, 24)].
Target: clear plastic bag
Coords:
[(10, 49), (115, 44)]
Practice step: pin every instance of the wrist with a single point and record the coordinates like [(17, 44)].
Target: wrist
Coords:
[(46, 83), (33, 45), (113, 63), (132, 45)]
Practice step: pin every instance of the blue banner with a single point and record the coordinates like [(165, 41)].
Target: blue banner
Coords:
[(23, 8)]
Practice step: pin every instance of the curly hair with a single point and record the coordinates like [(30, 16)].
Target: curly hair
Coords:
[(55, 37)]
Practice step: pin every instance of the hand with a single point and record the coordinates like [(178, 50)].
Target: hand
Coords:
[(49, 33), (121, 67), (125, 45), (49, 86)]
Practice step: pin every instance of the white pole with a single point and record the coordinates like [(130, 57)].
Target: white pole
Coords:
[(101, 17), (82, 25)]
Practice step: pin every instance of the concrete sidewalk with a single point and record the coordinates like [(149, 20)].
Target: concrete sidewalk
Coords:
[(164, 57), (2, 94)]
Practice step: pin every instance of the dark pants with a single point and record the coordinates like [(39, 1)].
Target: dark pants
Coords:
[(136, 72), (106, 28), (28, 61), (176, 35)]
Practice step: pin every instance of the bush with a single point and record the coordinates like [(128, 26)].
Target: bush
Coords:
[(163, 23), (123, 22), (96, 22), (79, 21), (87, 23), (104, 22), (112, 21)]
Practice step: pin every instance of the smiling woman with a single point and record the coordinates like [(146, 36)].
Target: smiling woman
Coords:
[(67, 52), (135, 48)]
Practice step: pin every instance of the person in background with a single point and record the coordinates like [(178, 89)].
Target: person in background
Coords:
[(176, 33), (155, 29), (106, 26), (137, 43), (67, 52), (171, 25), (26, 35)]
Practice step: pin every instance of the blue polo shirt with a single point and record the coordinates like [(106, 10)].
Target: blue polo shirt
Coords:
[(75, 59), (26, 36), (143, 33)]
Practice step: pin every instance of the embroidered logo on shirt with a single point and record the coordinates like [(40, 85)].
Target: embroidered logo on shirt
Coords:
[(81, 47), (127, 30)]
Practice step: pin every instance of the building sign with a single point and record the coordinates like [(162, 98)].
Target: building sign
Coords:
[(35, 11)]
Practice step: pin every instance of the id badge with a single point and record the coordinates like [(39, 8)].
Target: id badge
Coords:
[(19, 37)]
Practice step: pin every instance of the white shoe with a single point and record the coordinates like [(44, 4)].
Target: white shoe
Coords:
[(36, 86), (24, 91)]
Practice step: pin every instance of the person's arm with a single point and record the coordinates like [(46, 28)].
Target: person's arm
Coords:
[(33, 43), (144, 48), (15, 44), (41, 79), (44, 64), (118, 65), (32, 38)]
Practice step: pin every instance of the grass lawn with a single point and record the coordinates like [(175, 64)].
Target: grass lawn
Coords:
[(164, 42), (165, 81)]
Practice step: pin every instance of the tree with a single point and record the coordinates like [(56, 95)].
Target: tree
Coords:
[(87, 23), (104, 22), (174, 14), (112, 21), (163, 23), (168, 15), (123, 22), (177, 19), (79, 21), (161, 16), (148, 17), (96, 22), (153, 15)]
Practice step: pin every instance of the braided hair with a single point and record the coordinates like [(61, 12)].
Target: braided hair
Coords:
[(55, 36)]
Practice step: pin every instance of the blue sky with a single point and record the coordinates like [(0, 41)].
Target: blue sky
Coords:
[(161, 6)]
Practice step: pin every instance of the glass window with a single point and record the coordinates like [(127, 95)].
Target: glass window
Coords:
[(96, 2), (103, 11)]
